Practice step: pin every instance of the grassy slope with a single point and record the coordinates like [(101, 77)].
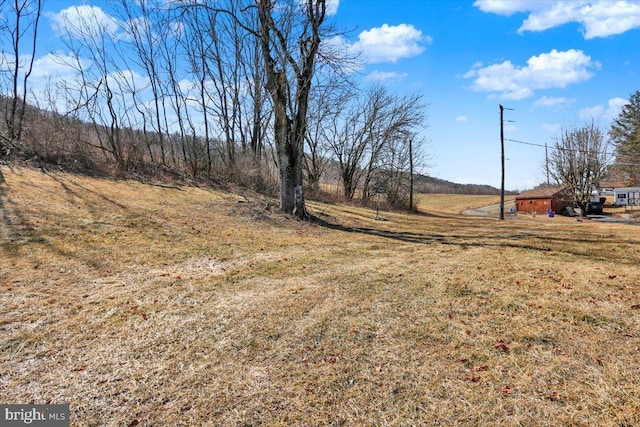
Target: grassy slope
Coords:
[(182, 306), (454, 203)]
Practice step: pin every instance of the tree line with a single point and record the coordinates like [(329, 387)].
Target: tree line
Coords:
[(246, 91)]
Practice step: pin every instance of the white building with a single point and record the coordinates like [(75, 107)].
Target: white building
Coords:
[(627, 196)]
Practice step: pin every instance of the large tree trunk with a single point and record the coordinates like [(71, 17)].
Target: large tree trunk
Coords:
[(291, 193), (289, 156), (290, 131)]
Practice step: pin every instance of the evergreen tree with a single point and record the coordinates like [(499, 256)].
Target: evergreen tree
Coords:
[(625, 134)]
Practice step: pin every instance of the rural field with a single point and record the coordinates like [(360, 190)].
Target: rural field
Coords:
[(152, 305)]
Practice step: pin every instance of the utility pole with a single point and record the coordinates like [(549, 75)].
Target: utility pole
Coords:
[(546, 156), (410, 175), (502, 161), (502, 158)]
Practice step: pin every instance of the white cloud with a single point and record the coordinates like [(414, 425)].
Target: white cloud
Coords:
[(75, 21), (553, 102), (332, 7), (55, 65), (606, 112), (379, 76), (597, 18), (507, 7), (389, 43), (49, 73), (545, 71), (551, 127), (55, 77), (616, 104), (128, 79), (462, 119), (590, 113)]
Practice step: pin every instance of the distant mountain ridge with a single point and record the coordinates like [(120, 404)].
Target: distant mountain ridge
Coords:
[(429, 184)]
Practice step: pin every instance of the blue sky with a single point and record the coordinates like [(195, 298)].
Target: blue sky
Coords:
[(556, 64)]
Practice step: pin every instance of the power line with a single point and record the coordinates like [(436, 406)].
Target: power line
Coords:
[(525, 143), (569, 149), (555, 148)]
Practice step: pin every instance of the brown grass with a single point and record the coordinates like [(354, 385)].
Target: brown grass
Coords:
[(146, 305), (454, 203)]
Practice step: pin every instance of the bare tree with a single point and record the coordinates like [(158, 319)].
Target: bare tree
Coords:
[(176, 104), (226, 66), (353, 134), (19, 21), (105, 87), (148, 33), (328, 102), (255, 122), (579, 161), (254, 73), (398, 122), (374, 123), (400, 158), (289, 48)]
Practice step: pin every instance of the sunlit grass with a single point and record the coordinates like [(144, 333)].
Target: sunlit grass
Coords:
[(453, 203), (185, 306)]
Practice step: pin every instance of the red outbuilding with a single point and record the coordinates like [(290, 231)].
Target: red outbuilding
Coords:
[(543, 200)]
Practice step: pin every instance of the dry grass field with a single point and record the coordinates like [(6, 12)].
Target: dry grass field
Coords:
[(146, 305), (453, 203)]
